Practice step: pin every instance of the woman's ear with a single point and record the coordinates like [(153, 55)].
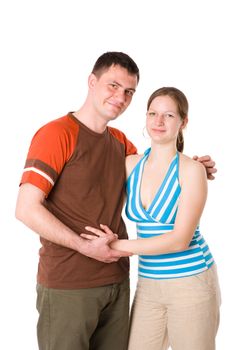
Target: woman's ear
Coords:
[(184, 122)]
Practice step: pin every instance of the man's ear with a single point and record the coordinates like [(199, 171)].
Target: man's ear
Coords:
[(91, 80)]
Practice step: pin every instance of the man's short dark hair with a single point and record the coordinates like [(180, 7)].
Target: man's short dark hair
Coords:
[(108, 59)]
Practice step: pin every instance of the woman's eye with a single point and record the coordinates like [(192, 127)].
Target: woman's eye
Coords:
[(151, 114)]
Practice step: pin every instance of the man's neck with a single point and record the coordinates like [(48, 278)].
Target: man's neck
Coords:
[(93, 123)]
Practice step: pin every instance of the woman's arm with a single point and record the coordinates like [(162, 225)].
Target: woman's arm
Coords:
[(191, 204)]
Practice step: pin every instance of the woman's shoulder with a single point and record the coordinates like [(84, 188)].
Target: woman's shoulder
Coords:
[(190, 167), (134, 158), (131, 161), (186, 161)]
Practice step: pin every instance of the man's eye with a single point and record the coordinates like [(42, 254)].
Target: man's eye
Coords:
[(114, 86), (169, 115), (129, 93)]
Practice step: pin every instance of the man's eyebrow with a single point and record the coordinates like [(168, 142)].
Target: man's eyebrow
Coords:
[(131, 89)]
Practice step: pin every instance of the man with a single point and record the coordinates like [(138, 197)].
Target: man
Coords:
[(74, 175)]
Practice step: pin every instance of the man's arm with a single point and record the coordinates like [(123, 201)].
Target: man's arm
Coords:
[(209, 165), (31, 211)]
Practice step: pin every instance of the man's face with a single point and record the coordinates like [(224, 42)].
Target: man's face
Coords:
[(112, 92)]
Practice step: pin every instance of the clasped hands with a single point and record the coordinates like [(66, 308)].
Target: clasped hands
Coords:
[(98, 244)]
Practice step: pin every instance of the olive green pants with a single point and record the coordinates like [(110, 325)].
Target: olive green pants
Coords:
[(83, 319)]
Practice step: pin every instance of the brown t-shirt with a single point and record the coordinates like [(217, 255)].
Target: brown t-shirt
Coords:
[(82, 174)]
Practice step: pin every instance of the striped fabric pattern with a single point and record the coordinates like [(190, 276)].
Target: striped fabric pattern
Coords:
[(158, 219)]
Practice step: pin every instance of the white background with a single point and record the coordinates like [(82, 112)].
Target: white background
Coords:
[(47, 51)]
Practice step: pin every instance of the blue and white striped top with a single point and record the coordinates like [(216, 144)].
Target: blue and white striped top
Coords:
[(160, 218)]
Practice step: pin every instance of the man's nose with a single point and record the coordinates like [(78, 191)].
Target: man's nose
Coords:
[(120, 95)]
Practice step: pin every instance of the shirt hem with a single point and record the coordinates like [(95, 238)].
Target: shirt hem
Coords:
[(82, 285)]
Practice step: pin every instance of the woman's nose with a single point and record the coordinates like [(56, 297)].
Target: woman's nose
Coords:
[(159, 119)]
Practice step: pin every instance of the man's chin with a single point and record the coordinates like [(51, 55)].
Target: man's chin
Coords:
[(113, 116)]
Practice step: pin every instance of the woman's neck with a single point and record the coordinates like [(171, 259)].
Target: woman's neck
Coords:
[(161, 154)]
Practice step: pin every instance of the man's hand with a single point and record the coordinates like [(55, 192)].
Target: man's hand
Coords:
[(97, 246), (209, 165)]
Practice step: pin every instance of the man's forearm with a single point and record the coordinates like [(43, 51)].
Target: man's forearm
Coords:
[(41, 221), (31, 211)]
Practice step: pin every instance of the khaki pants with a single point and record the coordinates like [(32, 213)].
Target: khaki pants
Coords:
[(94, 318), (182, 313)]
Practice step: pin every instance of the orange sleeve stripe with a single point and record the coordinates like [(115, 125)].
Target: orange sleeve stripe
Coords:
[(33, 169), (36, 180)]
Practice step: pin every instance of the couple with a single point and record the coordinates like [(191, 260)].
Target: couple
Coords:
[(74, 176)]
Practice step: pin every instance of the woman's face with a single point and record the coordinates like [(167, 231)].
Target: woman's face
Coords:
[(163, 121)]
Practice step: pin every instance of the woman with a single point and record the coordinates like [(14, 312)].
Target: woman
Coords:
[(177, 298)]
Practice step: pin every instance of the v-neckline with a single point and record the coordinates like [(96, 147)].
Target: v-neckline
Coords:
[(160, 187)]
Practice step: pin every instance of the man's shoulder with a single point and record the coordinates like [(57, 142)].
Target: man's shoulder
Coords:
[(121, 137), (59, 126), (116, 132), (64, 122)]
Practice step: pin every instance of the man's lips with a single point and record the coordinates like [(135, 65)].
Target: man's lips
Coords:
[(115, 104)]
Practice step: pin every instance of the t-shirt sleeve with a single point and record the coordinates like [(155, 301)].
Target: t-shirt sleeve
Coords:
[(50, 149)]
